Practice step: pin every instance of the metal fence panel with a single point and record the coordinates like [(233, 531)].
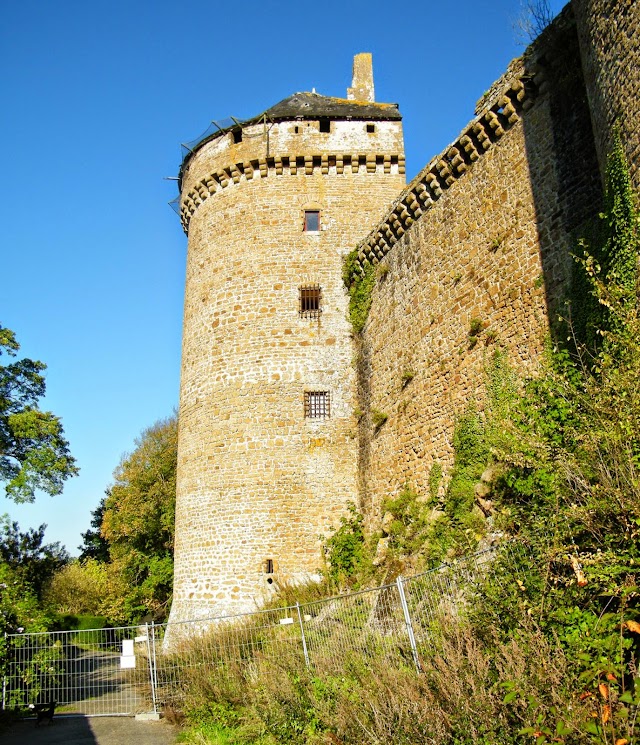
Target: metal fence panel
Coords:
[(207, 646), (137, 669), (82, 671), (369, 623)]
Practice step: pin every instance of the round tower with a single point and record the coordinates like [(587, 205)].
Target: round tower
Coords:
[(267, 457)]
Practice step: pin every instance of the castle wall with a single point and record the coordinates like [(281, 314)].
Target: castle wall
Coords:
[(483, 234), (474, 253), (257, 480), (609, 32)]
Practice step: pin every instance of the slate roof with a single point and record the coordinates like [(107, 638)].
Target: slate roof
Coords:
[(314, 106)]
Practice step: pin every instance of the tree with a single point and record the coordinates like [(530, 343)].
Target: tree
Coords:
[(535, 16), (88, 587), (33, 561), (94, 546), (19, 607), (138, 520), (33, 451)]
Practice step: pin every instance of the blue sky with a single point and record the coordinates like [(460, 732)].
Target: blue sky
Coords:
[(97, 98)]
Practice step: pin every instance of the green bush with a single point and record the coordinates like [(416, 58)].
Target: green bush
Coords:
[(347, 554)]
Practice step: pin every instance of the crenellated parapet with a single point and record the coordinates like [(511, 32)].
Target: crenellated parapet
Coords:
[(502, 111), (286, 165)]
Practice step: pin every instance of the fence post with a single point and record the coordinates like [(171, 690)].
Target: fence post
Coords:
[(151, 675), (408, 624), (4, 673), (155, 660), (304, 640)]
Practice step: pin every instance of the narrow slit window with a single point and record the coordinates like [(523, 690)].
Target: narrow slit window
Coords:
[(325, 125), (237, 135), (268, 566), (317, 404), (371, 128), (310, 301), (311, 221)]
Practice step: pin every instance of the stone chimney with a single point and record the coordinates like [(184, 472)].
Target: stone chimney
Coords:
[(362, 83)]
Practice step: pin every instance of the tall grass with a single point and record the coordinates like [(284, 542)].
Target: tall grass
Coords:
[(474, 689)]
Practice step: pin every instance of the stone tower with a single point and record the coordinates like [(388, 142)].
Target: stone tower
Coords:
[(267, 456)]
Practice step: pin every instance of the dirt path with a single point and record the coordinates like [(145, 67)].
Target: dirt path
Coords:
[(91, 731)]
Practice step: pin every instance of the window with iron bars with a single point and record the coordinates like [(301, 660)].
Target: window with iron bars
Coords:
[(317, 404), (310, 301)]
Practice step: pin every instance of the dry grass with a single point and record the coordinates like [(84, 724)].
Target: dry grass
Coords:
[(458, 698)]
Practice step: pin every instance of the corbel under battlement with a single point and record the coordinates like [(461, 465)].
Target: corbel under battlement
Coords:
[(480, 135), (286, 165)]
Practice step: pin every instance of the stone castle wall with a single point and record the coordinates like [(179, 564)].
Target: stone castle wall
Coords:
[(257, 481), (474, 253), (483, 235), (609, 32)]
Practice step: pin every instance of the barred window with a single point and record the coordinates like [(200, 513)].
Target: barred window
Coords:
[(310, 301), (311, 221), (316, 404)]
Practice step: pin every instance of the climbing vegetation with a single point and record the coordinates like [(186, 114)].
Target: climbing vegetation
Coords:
[(360, 286)]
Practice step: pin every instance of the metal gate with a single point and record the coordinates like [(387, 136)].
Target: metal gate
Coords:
[(96, 672)]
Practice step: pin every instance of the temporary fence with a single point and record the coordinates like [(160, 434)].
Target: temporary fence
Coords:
[(84, 672), (136, 669)]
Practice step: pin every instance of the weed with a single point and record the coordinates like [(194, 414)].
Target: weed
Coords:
[(378, 418), (476, 326), (382, 270), (407, 376), (496, 243), (435, 479)]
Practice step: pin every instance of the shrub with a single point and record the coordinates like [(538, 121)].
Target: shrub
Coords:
[(346, 550)]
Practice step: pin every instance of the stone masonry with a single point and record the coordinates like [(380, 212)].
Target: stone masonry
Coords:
[(259, 482), (609, 33), (475, 252)]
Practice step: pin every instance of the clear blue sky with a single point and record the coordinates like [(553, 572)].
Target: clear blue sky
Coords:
[(96, 98)]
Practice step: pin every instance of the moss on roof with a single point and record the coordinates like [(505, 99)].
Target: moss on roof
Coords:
[(314, 106)]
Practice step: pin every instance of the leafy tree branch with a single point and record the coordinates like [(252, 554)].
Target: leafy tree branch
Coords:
[(34, 454)]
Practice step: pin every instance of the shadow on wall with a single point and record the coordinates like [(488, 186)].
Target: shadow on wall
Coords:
[(563, 164)]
